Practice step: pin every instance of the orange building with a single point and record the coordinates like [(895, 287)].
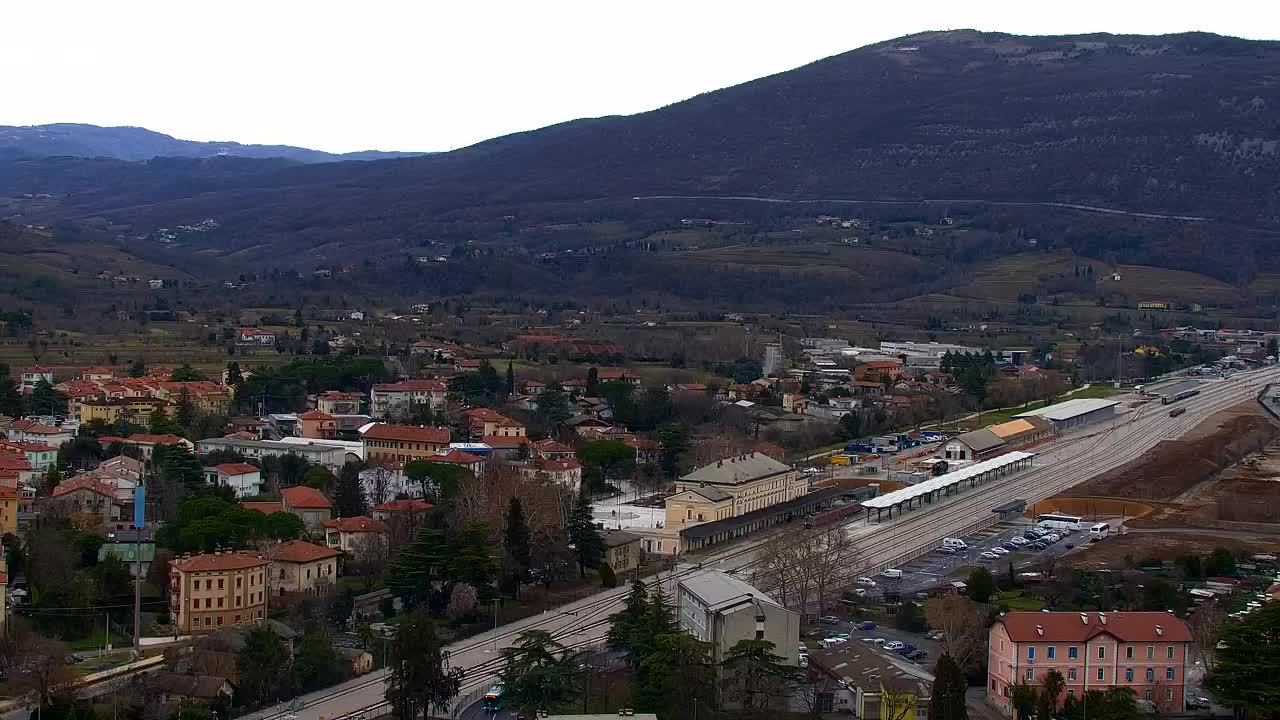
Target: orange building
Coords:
[(213, 590), (317, 425)]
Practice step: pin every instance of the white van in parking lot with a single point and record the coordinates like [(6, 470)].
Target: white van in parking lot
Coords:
[(891, 574), (954, 544), (1099, 531)]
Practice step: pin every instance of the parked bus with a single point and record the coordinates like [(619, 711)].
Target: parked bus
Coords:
[(1099, 531), (1059, 521), (493, 702)]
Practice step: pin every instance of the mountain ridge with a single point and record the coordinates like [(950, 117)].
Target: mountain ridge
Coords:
[(132, 143)]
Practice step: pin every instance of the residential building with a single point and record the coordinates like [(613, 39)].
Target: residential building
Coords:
[(718, 608), (621, 375), (562, 472), (333, 455), (4, 592), (136, 410), (257, 336), (548, 449), (10, 501), (402, 443), (88, 501), (40, 456), (506, 446), (466, 460), (37, 432), (1147, 652), (29, 377), (877, 369), (97, 374), (339, 403), (146, 443), (622, 551), (212, 590), (309, 504), (483, 422), (244, 478), (266, 507), (298, 566), (317, 425), (137, 556), (389, 400), (412, 510), (175, 690), (869, 683), (347, 534)]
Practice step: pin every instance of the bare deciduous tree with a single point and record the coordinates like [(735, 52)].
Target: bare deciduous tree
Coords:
[(961, 620), (1204, 625), (803, 566)]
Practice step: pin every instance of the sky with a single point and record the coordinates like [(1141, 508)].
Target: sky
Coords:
[(440, 74)]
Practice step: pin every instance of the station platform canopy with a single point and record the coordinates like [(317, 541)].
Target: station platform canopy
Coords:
[(928, 487)]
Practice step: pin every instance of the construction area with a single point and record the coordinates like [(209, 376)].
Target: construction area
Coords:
[(1218, 484)]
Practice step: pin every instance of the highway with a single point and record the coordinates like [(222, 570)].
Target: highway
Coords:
[(1072, 459)]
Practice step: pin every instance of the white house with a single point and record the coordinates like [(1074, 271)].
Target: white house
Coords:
[(244, 478), (32, 376)]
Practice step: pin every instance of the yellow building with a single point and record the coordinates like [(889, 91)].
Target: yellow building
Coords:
[(299, 566), (10, 498), (732, 487), (135, 410), (213, 590), (384, 443)]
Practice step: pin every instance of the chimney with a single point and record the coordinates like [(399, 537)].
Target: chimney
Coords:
[(1159, 631), (1102, 617), (1084, 618), (1040, 630)]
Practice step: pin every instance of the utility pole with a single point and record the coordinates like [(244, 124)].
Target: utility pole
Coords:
[(139, 521)]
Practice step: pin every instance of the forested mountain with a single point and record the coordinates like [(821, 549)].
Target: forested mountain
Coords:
[(1185, 124), (134, 143)]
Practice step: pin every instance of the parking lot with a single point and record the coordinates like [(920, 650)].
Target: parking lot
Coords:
[(937, 568), (885, 634)]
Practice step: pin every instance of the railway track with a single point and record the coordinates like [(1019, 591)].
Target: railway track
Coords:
[(1075, 460)]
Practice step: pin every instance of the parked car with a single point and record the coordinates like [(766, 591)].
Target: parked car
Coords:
[(829, 620), (1053, 537), (1019, 540), (1198, 703), (936, 635), (894, 645), (832, 641), (867, 625), (880, 641), (865, 582), (906, 649), (919, 655), (947, 551), (1070, 545), (1010, 546), (999, 551), (1037, 546), (988, 555)]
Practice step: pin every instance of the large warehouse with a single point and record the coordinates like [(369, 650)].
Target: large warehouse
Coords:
[(1075, 413)]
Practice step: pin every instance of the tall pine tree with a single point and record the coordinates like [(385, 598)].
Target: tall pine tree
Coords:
[(949, 686), (587, 543), (626, 626), (515, 541), (511, 379), (348, 493)]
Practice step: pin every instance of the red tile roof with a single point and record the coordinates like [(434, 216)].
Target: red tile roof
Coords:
[(301, 497), (90, 483), (357, 524), (28, 446), (237, 468), (455, 457), (97, 371), (558, 465), (411, 386), (14, 462), (504, 442), (167, 439), (212, 562), (404, 505), (1070, 627), (31, 426), (881, 364), (315, 415), (547, 445), (300, 551), (266, 508), (408, 433)]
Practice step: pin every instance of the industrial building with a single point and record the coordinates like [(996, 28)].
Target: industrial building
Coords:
[(716, 607), (997, 439), (1075, 413)]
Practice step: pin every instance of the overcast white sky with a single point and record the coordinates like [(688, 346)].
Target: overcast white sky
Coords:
[(442, 74)]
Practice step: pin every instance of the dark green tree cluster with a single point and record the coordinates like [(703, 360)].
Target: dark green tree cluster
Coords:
[(439, 481), (553, 408), (208, 523), (420, 683), (587, 544), (640, 410), (606, 460), (45, 400), (1248, 663), (426, 570), (285, 388), (482, 387), (539, 673)]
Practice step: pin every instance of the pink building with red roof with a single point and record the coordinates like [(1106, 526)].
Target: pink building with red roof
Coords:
[(1147, 652)]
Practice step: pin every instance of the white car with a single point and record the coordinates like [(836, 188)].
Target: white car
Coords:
[(831, 641), (894, 645), (999, 551), (1053, 537), (866, 582), (1019, 540), (880, 641), (988, 555)]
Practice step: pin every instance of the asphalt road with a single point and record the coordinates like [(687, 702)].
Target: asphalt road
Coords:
[(1069, 461)]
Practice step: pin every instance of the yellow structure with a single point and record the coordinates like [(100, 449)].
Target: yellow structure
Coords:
[(213, 590), (731, 487), (135, 410), (299, 566), (398, 444), (10, 498)]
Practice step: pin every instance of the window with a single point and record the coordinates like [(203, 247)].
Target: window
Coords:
[(1002, 646), (993, 684), (1071, 674), (1101, 674), (239, 580), (1151, 675), (1031, 674), (219, 602), (1053, 652), (238, 599), (219, 619), (195, 604), (219, 583), (1031, 653), (208, 622), (1170, 652), (1071, 693), (1168, 693), (1168, 673), (1073, 652), (208, 603), (1102, 652), (1151, 652), (1146, 694), (1128, 674), (1128, 653)]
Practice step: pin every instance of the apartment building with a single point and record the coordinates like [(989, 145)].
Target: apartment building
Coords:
[(1147, 652), (398, 444), (718, 608), (392, 399), (213, 590), (299, 566)]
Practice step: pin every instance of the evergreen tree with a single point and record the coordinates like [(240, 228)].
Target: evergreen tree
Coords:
[(184, 414), (539, 673), (593, 381), (348, 494), (661, 619), (627, 625), (757, 677), (511, 379), (608, 578), (553, 407), (949, 686), (262, 666), (44, 400), (587, 543), (471, 560), (515, 541), (161, 424), (678, 678), (674, 439), (414, 572), (10, 396), (234, 376), (420, 683), (137, 368)]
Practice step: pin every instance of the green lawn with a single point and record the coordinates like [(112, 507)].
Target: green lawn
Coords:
[(1018, 600)]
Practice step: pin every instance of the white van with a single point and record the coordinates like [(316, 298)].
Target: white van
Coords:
[(1099, 531), (891, 574), (954, 544)]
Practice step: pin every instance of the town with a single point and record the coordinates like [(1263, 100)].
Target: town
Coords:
[(886, 531)]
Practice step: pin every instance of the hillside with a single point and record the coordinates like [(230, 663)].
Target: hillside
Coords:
[(133, 143), (1181, 124)]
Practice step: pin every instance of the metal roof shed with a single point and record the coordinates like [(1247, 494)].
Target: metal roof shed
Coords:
[(946, 484)]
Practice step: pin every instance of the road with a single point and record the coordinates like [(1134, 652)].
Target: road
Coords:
[(1069, 461)]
